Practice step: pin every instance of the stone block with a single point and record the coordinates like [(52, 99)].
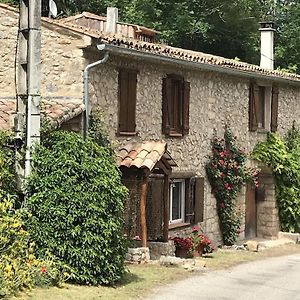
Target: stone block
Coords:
[(251, 246)]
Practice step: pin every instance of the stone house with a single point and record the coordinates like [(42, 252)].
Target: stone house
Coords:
[(161, 106)]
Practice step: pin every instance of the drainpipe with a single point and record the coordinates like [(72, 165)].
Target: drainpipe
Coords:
[(86, 86)]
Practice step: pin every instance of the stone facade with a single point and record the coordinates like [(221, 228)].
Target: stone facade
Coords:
[(215, 100), (61, 57)]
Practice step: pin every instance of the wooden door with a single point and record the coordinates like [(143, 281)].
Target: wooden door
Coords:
[(251, 212)]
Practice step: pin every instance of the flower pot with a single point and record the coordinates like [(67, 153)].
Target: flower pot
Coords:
[(182, 252)]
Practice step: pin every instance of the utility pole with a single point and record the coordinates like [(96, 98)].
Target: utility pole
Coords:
[(27, 129)]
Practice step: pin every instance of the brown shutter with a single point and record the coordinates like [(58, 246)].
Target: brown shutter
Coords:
[(186, 107), (154, 208), (123, 100), (166, 98), (189, 200), (253, 106), (274, 109), (199, 199), (131, 105)]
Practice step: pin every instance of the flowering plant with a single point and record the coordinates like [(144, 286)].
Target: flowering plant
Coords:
[(196, 242), (227, 172)]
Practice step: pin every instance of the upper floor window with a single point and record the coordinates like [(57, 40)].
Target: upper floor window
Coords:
[(175, 106), (127, 101), (263, 108)]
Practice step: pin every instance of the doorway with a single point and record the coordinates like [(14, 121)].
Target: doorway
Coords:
[(251, 212)]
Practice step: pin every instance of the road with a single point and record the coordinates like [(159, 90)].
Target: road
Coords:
[(270, 279)]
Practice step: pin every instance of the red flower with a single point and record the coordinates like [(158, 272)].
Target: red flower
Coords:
[(221, 162), (221, 205), (238, 231), (222, 154), (43, 269), (222, 175), (227, 186), (195, 228)]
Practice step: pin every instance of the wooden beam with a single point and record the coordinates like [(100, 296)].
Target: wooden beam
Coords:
[(143, 210), (166, 209)]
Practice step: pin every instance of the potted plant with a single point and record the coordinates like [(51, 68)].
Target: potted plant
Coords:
[(194, 245), (183, 246)]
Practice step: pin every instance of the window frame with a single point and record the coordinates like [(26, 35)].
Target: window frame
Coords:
[(182, 197), (263, 107), (175, 106)]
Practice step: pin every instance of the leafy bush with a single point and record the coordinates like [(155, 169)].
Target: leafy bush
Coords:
[(74, 204), (19, 268), (227, 172), (283, 156), (7, 165)]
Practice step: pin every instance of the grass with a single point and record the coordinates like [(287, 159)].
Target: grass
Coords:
[(142, 278)]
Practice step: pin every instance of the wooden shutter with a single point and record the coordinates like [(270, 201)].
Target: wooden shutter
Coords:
[(253, 107), (127, 101), (274, 109), (189, 200), (186, 107), (154, 208), (123, 100), (166, 101), (131, 105), (199, 199)]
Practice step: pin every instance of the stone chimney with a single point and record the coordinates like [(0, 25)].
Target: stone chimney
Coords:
[(267, 45), (111, 19)]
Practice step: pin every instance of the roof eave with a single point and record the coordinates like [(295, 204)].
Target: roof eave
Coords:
[(197, 65)]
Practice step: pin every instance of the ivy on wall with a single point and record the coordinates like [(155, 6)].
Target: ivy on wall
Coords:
[(283, 156)]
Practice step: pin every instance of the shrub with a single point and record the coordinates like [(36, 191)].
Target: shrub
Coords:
[(7, 165), (227, 172), (283, 156), (19, 268), (74, 205)]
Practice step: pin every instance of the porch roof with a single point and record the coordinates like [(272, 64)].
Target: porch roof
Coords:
[(57, 111), (144, 155)]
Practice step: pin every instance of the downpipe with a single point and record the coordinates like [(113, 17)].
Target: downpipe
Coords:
[(86, 100)]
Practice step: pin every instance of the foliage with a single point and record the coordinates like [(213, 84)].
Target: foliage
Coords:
[(7, 165), (227, 172), (283, 156), (74, 206), (96, 129), (19, 268)]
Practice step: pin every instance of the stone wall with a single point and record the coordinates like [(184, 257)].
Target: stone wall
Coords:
[(61, 57), (215, 100), (267, 211)]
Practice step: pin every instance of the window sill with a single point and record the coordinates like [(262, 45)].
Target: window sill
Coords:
[(262, 130), (127, 133), (178, 225), (174, 135)]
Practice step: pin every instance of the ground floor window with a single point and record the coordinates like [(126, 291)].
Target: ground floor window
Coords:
[(177, 201)]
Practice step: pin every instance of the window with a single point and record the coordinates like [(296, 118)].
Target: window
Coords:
[(263, 108), (177, 201), (186, 200), (127, 101), (175, 106)]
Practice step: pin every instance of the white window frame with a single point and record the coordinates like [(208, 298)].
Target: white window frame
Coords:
[(267, 107), (182, 208)]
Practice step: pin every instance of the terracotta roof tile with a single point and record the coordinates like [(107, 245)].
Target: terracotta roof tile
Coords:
[(168, 51), (58, 111), (143, 155), (173, 52)]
